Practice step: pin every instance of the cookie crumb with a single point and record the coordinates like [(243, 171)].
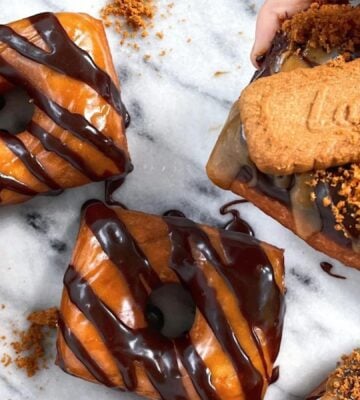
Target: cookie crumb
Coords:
[(136, 14), (6, 360), (160, 35), (217, 74), (327, 26), (29, 347), (344, 382)]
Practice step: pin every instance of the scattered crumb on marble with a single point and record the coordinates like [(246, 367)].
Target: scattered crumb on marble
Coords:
[(189, 40), (147, 57), (29, 346), (2, 306), (160, 35), (6, 360), (217, 74), (162, 53), (130, 14)]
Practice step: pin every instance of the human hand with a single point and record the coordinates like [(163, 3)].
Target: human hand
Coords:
[(268, 22)]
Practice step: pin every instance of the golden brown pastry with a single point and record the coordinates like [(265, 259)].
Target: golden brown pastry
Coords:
[(343, 383), (321, 206), (170, 309), (62, 122)]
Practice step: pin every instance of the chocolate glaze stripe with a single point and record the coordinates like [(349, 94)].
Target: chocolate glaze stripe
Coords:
[(62, 49), (127, 345), (75, 123), (10, 183), (83, 355), (199, 374), (118, 244), (253, 287), (182, 233), (55, 145), (128, 257), (18, 148)]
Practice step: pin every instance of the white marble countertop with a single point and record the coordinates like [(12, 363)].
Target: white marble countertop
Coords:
[(178, 107)]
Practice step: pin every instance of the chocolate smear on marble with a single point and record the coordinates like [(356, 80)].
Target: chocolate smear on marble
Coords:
[(327, 267)]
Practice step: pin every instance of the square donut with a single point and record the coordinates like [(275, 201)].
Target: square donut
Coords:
[(170, 309), (62, 121)]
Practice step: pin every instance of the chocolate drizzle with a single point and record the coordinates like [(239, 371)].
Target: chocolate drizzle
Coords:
[(247, 265), (82, 354), (17, 147), (65, 57), (183, 233), (237, 224), (327, 267)]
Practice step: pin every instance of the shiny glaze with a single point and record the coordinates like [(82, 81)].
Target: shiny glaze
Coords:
[(17, 147), (81, 354), (253, 287), (83, 68), (327, 267)]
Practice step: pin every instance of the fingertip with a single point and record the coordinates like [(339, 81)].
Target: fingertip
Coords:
[(257, 60)]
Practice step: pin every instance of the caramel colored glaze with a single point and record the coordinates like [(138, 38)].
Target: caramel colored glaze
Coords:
[(235, 281), (67, 142)]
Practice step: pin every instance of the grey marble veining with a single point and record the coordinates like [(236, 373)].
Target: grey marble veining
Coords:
[(177, 108)]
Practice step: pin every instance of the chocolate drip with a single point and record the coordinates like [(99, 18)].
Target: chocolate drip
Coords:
[(111, 185), (327, 267), (30, 161), (242, 256), (82, 355), (75, 123), (62, 49), (275, 375), (237, 224)]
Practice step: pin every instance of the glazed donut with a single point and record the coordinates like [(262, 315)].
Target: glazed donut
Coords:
[(320, 206), (170, 309), (62, 122)]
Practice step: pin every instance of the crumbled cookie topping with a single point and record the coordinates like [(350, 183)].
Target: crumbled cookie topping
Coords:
[(344, 383), (29, 346), (327, 26), (347, 184)]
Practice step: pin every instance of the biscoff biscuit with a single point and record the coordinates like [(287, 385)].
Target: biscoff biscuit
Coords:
[(304, 119)]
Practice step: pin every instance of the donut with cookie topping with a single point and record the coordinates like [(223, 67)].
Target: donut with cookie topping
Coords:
[(290, 144)]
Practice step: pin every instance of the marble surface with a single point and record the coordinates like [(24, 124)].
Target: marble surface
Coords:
[(178, 107)]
